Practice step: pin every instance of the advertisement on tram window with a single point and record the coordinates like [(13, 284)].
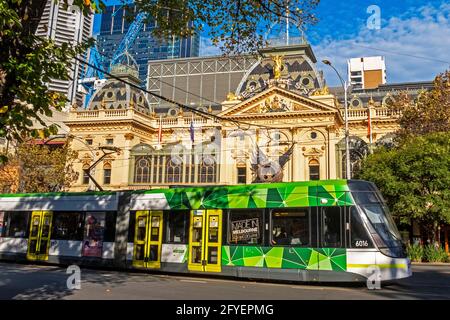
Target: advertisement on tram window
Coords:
[(93, 234), (244, 230)]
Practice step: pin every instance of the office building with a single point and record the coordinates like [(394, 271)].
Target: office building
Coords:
[(367, 72), (66, 26), (114, 27)]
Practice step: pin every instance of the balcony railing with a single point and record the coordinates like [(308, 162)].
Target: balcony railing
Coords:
[(375, 113), (354, 114), (124, 114)]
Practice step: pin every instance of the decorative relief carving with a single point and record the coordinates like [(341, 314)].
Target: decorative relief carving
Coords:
[(313, 152)]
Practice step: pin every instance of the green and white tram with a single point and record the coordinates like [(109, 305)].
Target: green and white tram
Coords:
[(330, 230)]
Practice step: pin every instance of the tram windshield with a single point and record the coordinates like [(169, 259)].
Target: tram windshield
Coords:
[(373, 206)]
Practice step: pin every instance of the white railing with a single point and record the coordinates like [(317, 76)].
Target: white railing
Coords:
[(362, 113), (115, 113), (88, 114)]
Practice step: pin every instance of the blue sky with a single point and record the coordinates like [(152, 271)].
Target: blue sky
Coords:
[(414, 36)]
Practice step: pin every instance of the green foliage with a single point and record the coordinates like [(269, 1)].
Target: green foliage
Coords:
[(236, 26), (27, 62), (415, 252), (433, 254), (414, 178), (428, 112), (45, 169)]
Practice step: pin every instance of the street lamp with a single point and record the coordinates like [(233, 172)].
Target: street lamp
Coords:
[(347, 149)]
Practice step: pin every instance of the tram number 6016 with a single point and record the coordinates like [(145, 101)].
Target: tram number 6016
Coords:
[(362, 243)]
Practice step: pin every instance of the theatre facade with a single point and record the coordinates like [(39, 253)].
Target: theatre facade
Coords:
[(265, 118)]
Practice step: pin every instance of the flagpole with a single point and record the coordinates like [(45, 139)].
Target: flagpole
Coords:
[(369, 119), (191, 132), (369, 122), (160, 130)]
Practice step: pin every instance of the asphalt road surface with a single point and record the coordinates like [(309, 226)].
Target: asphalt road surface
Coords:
[(20, 281)]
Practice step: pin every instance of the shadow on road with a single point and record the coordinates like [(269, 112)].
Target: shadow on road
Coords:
[(427, 282), (44, 282), (50, 282)]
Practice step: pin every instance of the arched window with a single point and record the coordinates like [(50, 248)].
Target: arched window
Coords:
[(173, 169), (207, 170), (358, 150), (241, 171), (165, 166), (84, 175), (142, 169), (314, 170), (106, 173)]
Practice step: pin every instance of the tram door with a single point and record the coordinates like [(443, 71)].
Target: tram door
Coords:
[(148, 239), (205, 240), (39, 240)]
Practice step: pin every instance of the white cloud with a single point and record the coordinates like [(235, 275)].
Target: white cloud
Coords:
[(425, 33), (207, 48)]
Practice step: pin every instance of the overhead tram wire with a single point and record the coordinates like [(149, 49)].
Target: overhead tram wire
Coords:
[(200, 112), (206, 99), (202, 98), (175, 87)]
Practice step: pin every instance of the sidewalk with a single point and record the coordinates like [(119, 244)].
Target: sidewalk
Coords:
[(442, 264)]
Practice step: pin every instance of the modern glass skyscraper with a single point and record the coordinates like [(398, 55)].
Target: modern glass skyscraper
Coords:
[(114, 27), (66, 25)]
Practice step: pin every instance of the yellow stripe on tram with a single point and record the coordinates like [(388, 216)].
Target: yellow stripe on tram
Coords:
[(381, 266)]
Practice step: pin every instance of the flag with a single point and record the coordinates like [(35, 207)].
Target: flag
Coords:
[(191, 129), (160, 131), (369, 125)]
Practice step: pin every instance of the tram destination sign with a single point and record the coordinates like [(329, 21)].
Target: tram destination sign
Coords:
[(242, 230)]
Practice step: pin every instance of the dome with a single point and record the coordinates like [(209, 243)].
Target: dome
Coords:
[(125, 65), (116, 94)]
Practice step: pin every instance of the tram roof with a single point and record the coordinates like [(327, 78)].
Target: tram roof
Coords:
[(229, 188)]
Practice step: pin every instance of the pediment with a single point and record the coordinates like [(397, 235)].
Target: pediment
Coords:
[(277, 101)]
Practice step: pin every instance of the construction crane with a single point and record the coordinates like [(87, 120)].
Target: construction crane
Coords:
[(91, 79), (129, 38), (91, 82)]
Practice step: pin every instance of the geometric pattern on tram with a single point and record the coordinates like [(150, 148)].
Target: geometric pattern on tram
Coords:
[(334, 259), (281, 195)]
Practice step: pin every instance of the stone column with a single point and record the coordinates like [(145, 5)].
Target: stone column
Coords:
[(127, 159)]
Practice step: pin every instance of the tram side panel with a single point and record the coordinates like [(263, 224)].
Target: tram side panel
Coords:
[(59, 229)]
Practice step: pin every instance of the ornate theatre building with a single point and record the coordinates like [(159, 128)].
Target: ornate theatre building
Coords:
[(264, 118)]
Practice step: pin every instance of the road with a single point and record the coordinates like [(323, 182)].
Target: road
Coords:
[(19, 281)]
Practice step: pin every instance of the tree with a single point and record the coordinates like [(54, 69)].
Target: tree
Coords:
[(236, 26), (414, 178), (39, 168), (27, 63), (429, 112)]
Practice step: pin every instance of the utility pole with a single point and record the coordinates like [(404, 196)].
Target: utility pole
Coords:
[(348, 175)]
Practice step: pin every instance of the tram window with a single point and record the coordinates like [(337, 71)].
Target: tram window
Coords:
[(176, 227), (68, 226), (331, 227), (290, 227), (359, 237), (110, 226), (245, 227), (15, 224)]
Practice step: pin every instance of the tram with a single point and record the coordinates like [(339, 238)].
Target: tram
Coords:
[(328, 230)]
